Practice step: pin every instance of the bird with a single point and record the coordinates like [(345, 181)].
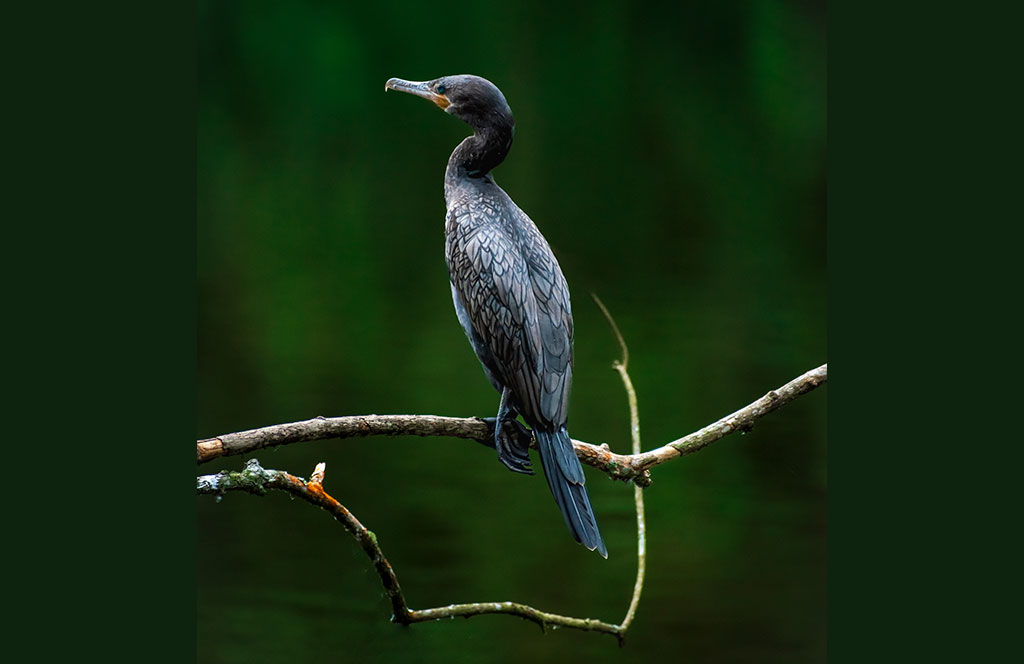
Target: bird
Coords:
[(510, 296)]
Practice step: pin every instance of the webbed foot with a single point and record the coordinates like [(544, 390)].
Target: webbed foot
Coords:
[(512, 452), (513, 445)]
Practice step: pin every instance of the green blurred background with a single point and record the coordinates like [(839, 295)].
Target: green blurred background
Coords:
[(674, 156)]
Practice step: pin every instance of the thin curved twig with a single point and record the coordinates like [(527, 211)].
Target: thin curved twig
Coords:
[(628, 467), (638, 494)]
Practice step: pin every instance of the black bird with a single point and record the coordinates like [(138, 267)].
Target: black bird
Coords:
[(510, 295)]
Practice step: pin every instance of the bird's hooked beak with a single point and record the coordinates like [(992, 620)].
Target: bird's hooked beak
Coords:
[(418, 88)]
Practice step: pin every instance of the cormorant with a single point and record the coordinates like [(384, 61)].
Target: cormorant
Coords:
[(509, 295)]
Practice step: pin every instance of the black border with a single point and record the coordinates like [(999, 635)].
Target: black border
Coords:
[(100, 246)]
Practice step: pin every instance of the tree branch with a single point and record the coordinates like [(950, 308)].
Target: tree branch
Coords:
[(742, 420), (629, 467), (256, 480)]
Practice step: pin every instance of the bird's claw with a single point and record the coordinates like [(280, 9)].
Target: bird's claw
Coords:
[(516, 465), (515, 458), (513, 447)]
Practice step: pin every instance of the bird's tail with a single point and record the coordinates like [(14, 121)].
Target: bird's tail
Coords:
[(565, 479)]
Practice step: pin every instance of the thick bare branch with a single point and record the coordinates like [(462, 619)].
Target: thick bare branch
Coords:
[(355, 426), (630, 467), (360, 426)]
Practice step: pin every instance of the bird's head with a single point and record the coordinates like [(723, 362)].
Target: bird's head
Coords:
[(474, 100)]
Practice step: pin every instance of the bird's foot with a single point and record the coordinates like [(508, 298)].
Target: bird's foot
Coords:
[(513, 443)]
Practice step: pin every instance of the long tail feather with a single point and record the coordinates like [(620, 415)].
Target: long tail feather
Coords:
[(565, 479)]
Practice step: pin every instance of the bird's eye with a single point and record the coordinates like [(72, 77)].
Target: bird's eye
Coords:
[(440, 89)]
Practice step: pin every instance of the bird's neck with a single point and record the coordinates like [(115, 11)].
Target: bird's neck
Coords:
[(478, 154)]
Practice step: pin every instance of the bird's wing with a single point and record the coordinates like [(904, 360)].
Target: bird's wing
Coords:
[(518, 305), (554, 318)]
